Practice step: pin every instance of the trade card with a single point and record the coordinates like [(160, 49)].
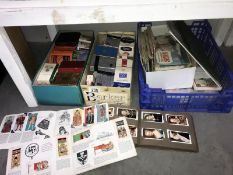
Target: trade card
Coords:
[(45, 124), (89, 115), (102, 112), (19, 123), (15, 158), (133, 130), (7, 124), (63, 122), (31, 122), (103, 132), (153, 133), (103, 148), (81, 160), (121, 129), (152, 117), (82, 157), (128, 113), (82, 135), (179, 137), (164, 56), (39, 166), (78, 117), (111, 112), (62, 147), (64, 118), (177, 120), (32, 150), (63, 130)]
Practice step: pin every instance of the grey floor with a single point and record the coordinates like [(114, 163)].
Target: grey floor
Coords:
[(214, 135)]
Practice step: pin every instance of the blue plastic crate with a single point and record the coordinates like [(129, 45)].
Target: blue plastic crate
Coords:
[(158, 99)]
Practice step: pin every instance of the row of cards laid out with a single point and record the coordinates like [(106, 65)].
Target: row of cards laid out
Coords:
[(159, 135), (146, 116)]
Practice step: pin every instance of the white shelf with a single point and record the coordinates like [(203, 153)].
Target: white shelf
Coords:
[(54, 12), (44, 12)]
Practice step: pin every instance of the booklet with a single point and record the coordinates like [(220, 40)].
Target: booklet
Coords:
[(25, 127), (82, 150)]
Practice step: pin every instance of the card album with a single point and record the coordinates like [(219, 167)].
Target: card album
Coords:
[(166, 130)]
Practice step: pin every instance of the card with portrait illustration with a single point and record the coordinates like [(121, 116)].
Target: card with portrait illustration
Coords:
[(62, 147), (133, 130), (121, 130), (152, 117), (127, 113), (102, 112), (179, 137), (78, 118), (7, 124), (15, 158), (152, 133), (177, 120), (111, 111), (89, 113)]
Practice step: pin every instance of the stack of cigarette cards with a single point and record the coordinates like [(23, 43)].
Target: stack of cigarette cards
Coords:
[(159, 128)]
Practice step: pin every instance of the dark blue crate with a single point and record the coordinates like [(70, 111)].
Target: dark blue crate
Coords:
[(158, 99)]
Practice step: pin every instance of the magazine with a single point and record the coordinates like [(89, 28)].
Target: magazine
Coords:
[(83, 150)]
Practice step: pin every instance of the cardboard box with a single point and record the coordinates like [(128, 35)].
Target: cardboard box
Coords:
[(60, 94), (120, 96), (169, 79)]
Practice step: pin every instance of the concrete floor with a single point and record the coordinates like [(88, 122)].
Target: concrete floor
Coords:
[(214, 135)]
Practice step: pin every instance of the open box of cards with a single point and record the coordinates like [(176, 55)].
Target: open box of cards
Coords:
[(160, 129), (108, 74), (57, 81)]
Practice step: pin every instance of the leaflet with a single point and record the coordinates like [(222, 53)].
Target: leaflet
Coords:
[(83, 149)]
